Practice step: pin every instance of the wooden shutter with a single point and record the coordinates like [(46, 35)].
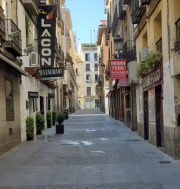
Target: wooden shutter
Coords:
[(88, 90), (87, 67)]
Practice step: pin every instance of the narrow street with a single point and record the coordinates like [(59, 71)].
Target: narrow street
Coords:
[(95, 151)]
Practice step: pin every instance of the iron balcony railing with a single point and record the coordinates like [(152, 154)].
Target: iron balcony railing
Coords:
[(2, 22), (95, 58), (88, 81), (12, 27), (137, 11), (36, 2), (109, 22), (107, 34), (159, 45), (129, 50), (115, 19), (96, 69), (145, 2), (122, 10), (88, 94), (126, 2), (96, 81)]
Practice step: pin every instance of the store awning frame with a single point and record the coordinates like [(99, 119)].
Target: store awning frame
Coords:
[(20, 70)]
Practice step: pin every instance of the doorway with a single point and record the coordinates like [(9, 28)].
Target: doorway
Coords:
[(158, 115), (146, 117), (42, 105)]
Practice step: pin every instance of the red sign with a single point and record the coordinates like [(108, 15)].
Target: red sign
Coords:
[(67, 96), (122, 83), (117, 69)]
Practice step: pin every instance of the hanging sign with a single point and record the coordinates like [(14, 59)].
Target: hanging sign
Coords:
[(51, 72), (122, 83), (46, 25), (117, 69), (33, 95), (50, 95), (67, 96)]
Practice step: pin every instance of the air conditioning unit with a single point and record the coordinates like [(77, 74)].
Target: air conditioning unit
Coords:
[(126, 90), (132, 78), (143, 53), (34, 59)]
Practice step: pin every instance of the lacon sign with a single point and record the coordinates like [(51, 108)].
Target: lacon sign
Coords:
[(46, 25)]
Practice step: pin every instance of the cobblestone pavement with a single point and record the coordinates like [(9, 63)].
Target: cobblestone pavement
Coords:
[(95, 152)]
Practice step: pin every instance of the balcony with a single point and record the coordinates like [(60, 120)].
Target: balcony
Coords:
[(62, 60), (107, 34), (14, 45), (88, 94), (137, 11), (126, 2), (122, 10), (96, 81), (32, 6), (88, 81), (109, 22), (106, 2), (115, 19), (145, 2), (62, 27), (58, 52), (96, 69), (70, 86), (2, 24), (129, 50)]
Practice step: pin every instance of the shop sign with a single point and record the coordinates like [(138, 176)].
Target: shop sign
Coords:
[(67, 96), (152, 78), (50, 95), (122, 83), (33, 95), (117, 69), (46, 25), (51, 72)]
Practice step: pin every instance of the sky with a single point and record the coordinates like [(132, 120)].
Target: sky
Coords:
[(86, 16)]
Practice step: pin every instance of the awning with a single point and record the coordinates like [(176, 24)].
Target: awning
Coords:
[(20, 70)]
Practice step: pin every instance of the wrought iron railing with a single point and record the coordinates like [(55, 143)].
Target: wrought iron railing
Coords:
[(109, 22), (126, 2), (137, 11), (129, 50), (36, 2), (115, 19), (2, 22), (96, 69), (122, 10), (12, 27), (159, 45), (96, 81), (145, 2), (88, 81), (88, 94)]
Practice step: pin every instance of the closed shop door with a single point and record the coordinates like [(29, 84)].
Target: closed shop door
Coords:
[(89, 105)]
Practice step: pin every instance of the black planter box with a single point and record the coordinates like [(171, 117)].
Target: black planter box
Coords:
[(48, 124), (59, 129), (30, 138), (39, 132)]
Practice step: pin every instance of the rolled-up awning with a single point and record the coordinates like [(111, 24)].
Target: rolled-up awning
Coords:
[(20, 70)]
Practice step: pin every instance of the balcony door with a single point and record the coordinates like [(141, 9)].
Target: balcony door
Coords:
[(88, 90), (88, 68)]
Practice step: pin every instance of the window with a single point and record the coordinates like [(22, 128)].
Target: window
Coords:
[(61, 96), (34, 104), (88, 91), (42, 105), (76, 71), (49, 104), (88, 78), (88, 67), (178, 28), (95, 57), (9, 100), (96, 78), (159, 45), (96, 89), (95, 67), (87, 57)]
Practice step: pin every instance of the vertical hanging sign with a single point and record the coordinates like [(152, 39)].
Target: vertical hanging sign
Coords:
[(46, 25), (117, 69)]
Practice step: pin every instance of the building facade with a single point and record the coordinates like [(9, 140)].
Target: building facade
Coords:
[(24, 90), (90, 74)]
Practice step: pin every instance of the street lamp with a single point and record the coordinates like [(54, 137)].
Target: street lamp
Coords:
[(118, 43), (103, 67)]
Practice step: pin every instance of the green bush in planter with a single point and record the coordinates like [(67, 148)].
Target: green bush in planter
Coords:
[(30, 126), (48, 116), (60, 118), (39, 122), (54, 116)]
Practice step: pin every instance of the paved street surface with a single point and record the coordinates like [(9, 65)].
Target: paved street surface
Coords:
[(95, 152)]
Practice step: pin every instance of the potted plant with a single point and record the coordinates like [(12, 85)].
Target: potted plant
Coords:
[(54, 117), (30, 128), (60, 125), (39, 123), (48, 117)]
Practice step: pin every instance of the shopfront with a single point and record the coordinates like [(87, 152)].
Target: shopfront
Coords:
[(151, 107)]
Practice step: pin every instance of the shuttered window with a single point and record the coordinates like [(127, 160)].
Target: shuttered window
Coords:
[(88, 90), (87, 67)]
